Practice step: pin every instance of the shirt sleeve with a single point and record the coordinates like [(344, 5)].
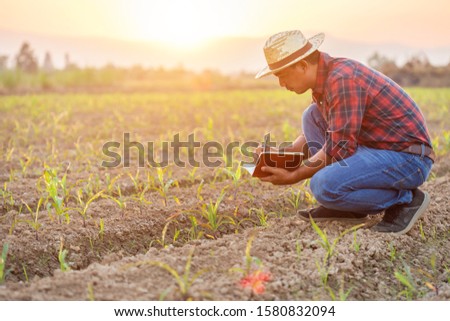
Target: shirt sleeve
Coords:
[(347, 102)]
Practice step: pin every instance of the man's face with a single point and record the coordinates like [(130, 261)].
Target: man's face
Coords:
[(293, 78)]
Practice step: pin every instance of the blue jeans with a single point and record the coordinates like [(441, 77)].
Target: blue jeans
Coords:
[(370, 180)]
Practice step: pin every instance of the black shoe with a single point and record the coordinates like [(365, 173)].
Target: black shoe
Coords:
[(399, 219), (322, 214)]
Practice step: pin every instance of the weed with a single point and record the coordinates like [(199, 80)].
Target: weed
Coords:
[(298, 249), (356, 244), (406, 279)]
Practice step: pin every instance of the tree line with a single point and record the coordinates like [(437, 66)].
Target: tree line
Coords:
[(26, 74)]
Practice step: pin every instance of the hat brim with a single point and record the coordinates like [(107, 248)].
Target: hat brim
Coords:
[(315, 41)]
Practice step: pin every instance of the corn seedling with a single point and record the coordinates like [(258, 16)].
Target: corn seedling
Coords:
[(235, 174), (422, 233), (25, 274), (295, 198), (199, 190), (110, 183), (261, 215), (210, 212), (62, 254), (342, 293), (119, 200), (3, 271), (85, 205), (184, 281), (101, 230), (191, 175), (164, 186), (328, 246), (90, 292), (392, 252), (34, 223), (194, 231), (407, 281), (356, 244), (56, 189)]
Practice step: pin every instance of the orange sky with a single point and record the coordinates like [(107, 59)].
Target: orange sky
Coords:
[(419, 23)]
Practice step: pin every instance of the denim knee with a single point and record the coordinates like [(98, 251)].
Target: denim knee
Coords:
[(325, 189)]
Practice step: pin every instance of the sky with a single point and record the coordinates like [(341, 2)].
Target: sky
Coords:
[(172, 32), (189, 23)]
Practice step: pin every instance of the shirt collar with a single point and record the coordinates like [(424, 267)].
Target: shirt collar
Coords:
[(322, 73)]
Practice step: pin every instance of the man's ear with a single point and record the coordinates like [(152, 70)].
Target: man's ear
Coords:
[(303, 65)]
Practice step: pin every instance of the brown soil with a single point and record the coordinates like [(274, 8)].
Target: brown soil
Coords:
[(115, 265)]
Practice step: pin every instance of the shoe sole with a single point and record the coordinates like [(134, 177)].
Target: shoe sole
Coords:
[(419, 214), (343, 220)]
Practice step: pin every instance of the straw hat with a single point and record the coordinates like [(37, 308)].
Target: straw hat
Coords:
[(286, 48)]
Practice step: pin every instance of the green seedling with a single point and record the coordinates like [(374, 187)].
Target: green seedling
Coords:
[(298, 249), (25, 162), (199, 190), (56, 189), (295, 198), (101, 231), (406, 279), (356, 244), (140, 198), (194, 231), (138, 185), (342, 293), (392, 252), (235, 174), (34, 223), (261, 215), (85, 205), (3, 271), (25, 274), (210, 212), (64, 266), (164, 186), (110, 183), (422, 233), (191, 175), (325, 242), (119, 200), (184, 281)]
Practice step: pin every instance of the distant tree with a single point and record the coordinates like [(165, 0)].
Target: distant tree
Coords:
[(26, 60), (47, 66), (3, 62), (382, 63), (69, 65)]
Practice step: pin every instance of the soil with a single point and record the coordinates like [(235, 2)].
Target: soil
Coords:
[(124, 262)]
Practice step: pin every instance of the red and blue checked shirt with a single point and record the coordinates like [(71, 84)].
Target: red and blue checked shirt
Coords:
[(364, 107)]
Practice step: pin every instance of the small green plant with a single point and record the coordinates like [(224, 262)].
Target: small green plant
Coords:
[(298, 249), (199, 190), (57, 191), (119, 200), (235, 174), (210, 211), (422, 233), (295, 198), (34, 222), (85, 205), (191, 175), (3, 271), (194, 232), (261, 215), (62, 254), (163, 186), (392, 252), (184, 281), (101, 230), (407, 281), (356, 244)]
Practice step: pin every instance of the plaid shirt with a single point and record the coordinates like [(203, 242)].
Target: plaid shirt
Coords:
[(364, 107)]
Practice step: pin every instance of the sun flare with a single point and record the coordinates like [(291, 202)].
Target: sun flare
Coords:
[(178, 23)]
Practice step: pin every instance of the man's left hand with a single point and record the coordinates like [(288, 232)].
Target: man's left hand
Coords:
[(279, 176)]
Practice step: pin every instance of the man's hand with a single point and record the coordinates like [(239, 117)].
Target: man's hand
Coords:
[(280, 176)]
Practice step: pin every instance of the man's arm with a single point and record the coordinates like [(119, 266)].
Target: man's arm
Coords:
[(310, 166)]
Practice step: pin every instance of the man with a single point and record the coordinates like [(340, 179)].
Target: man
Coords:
[(366, 142)]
